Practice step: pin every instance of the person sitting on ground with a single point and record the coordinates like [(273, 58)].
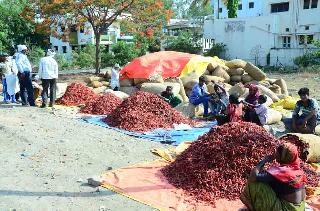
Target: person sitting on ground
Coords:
[(281, 187), (233, 113), (48, 73), (220, 100), (169, 97), (306, 114), (258, 113), (252, 99), (200, 95), (115, 74)]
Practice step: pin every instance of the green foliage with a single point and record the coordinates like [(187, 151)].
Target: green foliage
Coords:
[(232, 7), (185, 42), (15, 29), (85, 58), (63, 63), (218, 49), (199, 9), (35, 54), (310, 58), (122, 53)]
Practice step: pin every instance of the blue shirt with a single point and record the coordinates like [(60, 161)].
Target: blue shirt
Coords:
[(198, 92), (305, 110)]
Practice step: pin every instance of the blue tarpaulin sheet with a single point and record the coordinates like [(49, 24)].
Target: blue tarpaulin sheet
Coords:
[(168, 136)]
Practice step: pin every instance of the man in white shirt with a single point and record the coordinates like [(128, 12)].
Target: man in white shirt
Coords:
[(25, 73), (115, 74), (48, 73)]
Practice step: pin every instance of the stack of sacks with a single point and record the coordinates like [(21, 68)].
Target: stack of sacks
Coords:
[(97, 83)]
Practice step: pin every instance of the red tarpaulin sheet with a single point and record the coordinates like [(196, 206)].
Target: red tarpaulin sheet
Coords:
[(165, 63)]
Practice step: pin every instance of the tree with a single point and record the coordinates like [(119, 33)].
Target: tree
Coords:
[(14, 28), (100, 14), (232, 7), (190, 9), (185, 42)]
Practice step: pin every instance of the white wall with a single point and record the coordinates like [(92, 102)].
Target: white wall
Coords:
[(245, 12)]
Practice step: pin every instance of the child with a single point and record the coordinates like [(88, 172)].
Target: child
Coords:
[(260, 111), (219, 101), (233, 113)]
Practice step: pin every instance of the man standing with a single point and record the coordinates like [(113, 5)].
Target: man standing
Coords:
[(115, 84), (48, 73), (25, 73), (305, 115)]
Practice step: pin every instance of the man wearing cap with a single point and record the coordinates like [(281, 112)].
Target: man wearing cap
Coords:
[(115, 84), (9, 77), (48, 73), (25, 71)]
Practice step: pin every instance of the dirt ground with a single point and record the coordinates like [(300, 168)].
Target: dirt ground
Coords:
[(47, 156)]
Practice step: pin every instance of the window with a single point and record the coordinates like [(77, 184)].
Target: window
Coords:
[(212, 41), (306, 4), (56, 48), (63, 28), (309, 39), (287, 30), (220, 10), (301, 39), (306, 28), (64, 49), (240, 7), (280, 7), (251, 5), (314, 4), (286, 42)]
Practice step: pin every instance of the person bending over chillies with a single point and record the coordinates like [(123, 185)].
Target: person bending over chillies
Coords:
[(281, 187)]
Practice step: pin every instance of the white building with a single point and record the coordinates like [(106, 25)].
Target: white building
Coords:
[(194, 25), (76, 38), (266, 32)]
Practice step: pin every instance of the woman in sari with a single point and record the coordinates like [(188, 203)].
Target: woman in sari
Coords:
[(251, 99), (280, 188)]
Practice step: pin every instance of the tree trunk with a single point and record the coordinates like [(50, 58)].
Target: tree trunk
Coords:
[(98, 59)]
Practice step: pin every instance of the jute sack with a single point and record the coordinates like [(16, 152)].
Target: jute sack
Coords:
[(210, 78), (265, 83), (266, 91), (275, 88), (237, 90), (236, 63), (317, 130), (255, 72), (269, 101), (222, 73), (138, 81), (237, 71), (190, 110), (157, 88), (190, 80), (182, 92), (273, 116), (270, 80), (119, 94), (236, 78), (281, 96), (100, 90), (126, 83), (94, 78), (96, 84), (210, 88), (105, 83), (227, 86), (283, 85), (107, 74), (246, 78), (128, 89), (190, 84), (314, 145), (212, 66)]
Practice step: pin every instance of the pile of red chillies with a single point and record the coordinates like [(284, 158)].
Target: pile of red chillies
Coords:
[(77, 94), (217, 165), (144, 111), (103, 105)]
